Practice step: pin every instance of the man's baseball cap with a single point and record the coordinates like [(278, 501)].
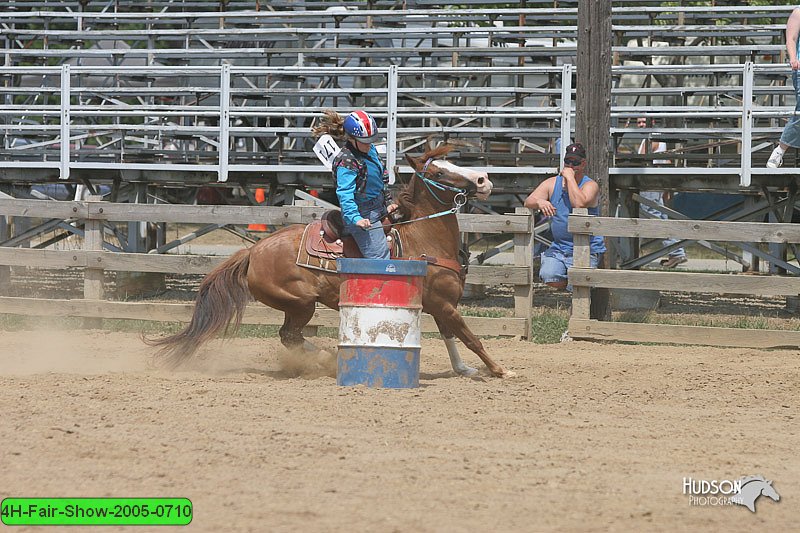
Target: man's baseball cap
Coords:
[(576, 150)]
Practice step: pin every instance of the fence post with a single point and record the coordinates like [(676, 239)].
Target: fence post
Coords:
[(391, 124), (65, 119), (581, 258), (566, 111), (523, 255), (5, 271), (224, 121), (93, 277), (747, 124)]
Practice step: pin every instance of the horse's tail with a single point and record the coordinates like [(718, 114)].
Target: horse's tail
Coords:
[(222, 298)]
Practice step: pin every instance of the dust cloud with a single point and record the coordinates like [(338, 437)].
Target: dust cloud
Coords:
[(56, 351), (308, 365)]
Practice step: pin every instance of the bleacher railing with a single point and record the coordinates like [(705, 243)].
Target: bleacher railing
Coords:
[(210, 118)]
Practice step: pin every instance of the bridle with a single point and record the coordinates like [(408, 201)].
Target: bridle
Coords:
[(459, 200), (461, 194)]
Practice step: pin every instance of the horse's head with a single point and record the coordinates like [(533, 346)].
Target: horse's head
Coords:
[(473, 183), (769, 491)]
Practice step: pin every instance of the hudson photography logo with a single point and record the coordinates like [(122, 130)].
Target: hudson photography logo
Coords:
[(743, 491)]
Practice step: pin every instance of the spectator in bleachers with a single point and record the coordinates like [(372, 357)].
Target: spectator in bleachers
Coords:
[(647, 146), (791, 133), (555, 197)]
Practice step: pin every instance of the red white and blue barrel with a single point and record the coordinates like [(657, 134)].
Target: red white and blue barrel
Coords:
[(380, 302)]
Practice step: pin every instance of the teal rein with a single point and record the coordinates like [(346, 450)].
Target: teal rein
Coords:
[(441, 186), (459, 200)]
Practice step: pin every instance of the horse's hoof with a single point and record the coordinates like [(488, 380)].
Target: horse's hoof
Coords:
[(506, 374), (310, 347), (467, 371)]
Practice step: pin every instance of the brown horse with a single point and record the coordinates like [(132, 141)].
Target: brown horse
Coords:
[(268, 271)]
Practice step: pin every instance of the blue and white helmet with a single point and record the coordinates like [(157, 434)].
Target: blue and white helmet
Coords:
[(361, 126)]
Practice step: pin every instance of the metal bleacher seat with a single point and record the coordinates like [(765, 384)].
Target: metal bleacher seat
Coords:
[(462, 76)]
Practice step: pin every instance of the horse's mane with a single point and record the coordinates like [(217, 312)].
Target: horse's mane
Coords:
[(331, 123), (405, 198), (436, 153), (748, 479)]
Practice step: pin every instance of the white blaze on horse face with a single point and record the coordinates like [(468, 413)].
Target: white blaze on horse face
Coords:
[(478, 177)]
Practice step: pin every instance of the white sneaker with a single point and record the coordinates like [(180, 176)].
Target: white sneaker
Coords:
[(776, 158)]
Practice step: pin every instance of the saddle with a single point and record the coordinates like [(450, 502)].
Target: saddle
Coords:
[(322, 243), (323, 240)]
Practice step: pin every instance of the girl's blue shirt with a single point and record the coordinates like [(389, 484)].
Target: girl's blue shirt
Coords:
[(349, 199)]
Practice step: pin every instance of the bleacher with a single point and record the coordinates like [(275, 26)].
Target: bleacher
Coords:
[(146, 80)]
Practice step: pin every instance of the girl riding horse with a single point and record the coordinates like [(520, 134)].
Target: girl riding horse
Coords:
[(268, 271)]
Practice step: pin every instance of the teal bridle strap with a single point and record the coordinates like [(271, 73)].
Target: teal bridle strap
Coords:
[(458, 201), (435, 184)]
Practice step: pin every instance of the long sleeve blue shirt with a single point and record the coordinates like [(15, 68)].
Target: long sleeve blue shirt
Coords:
[(346, 186)]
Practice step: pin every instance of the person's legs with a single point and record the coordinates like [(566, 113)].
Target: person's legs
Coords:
[(677, 252), (654, 213), (555, 266), (371, 242), (791, 133), (553, 271)]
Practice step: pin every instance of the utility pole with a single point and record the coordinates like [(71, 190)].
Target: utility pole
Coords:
[(593, 106)]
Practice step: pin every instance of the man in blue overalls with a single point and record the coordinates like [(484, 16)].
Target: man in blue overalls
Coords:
[(555, 197)]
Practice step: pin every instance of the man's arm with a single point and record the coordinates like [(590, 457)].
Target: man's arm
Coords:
[(585, 196), (540, 198), (792, 31)]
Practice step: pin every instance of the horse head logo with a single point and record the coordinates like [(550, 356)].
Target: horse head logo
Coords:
[(752, 488)]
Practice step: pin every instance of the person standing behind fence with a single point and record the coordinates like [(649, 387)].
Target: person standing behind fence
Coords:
[(361, 180), (678, 255), (791, 133), (555, 197)]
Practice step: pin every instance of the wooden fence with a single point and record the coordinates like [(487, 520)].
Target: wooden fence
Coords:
[(94, 261), (584, 279)]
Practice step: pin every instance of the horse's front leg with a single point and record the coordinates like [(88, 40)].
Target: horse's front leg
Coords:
[(452, 350), (451, 319)]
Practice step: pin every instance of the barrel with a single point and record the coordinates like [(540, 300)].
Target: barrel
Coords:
[(380, 302)]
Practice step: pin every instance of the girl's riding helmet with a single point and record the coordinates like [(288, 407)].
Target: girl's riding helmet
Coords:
[(361, 126)]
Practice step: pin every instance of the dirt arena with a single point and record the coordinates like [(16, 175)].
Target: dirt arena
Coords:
[(588, 437)]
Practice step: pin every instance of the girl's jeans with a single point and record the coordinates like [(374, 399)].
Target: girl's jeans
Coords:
[(372, 241)]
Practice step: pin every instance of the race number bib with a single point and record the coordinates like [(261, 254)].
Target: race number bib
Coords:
[(326, 150)]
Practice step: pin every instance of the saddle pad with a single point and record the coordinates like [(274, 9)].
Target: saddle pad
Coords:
[(319, 252)]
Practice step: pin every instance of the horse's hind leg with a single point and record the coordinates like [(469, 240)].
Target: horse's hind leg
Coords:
[(449, 316), (452, 350), (291, 333)]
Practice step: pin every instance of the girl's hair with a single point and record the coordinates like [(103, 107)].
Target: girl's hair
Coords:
[(331, 123)]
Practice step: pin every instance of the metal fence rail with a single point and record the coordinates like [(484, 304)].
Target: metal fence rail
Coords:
[(232, 119)]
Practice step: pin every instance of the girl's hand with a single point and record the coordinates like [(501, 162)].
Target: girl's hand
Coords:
[(363, 223)]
